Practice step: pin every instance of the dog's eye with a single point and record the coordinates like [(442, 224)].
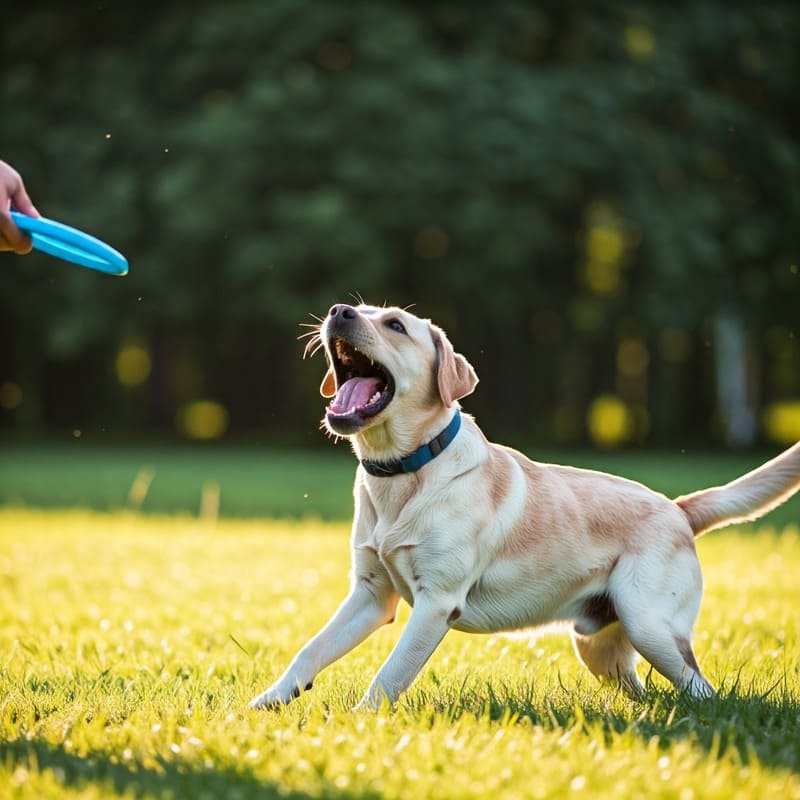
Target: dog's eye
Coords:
[(395, 325)]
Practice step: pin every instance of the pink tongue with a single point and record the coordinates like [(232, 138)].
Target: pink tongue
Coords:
[(354, 393)]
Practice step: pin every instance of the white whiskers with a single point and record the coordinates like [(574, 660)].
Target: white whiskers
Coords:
[(314, 343)]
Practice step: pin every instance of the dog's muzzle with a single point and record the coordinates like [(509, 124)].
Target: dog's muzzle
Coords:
[(364, 387)]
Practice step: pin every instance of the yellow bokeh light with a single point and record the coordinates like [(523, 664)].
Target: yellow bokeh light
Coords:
[(133, 364), (610, 421), (203, 419), (782, 421), (603, 277), (639, 42), (605, 244), (605, 251)]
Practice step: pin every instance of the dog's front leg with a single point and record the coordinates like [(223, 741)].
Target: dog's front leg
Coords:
[(369, 605), (429, 622)]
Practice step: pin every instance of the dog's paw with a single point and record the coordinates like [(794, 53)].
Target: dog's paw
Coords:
[(373, 701), (277, 696), (268, 699)]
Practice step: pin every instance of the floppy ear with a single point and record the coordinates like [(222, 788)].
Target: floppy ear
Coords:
[(455, 377), (328, 386)]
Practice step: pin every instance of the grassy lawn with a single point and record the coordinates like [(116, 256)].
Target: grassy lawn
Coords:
[(130, 644), (252, 482), (289, 483)]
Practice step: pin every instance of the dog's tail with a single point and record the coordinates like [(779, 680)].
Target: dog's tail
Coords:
[(747, 498)]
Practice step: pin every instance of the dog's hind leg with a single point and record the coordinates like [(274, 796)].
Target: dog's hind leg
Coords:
[(657, 603), (671, 654), (609, 655)]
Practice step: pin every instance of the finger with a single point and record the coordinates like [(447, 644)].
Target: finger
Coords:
[(20, 201)]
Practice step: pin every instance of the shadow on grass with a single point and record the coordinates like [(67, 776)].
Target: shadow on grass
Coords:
[(168, 780), (735, 720)]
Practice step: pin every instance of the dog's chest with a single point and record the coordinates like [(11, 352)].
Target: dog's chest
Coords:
[(400, 565), (397, 555)]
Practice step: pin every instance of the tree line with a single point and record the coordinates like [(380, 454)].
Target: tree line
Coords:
[(600, 205)]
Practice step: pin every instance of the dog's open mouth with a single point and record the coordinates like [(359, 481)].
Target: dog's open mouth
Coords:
[(363, 386)]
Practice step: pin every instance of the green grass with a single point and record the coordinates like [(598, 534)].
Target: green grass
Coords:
[(253, 482), (284, 483), (129, 646)]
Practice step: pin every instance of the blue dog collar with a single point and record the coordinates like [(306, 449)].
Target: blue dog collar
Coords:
[(420, 457)]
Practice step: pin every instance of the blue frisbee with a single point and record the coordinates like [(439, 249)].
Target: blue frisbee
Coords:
[(70, 244)]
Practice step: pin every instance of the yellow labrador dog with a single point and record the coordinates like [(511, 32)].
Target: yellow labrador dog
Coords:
[(477, 537)]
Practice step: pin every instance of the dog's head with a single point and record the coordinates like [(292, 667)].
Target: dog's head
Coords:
[(386, 364)]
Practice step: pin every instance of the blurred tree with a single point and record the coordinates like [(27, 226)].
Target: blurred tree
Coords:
[(551, 183)]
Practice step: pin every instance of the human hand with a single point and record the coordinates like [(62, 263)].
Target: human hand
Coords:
[(13, 195)]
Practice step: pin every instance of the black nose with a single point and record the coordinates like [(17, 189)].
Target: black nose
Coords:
[(342, 312)]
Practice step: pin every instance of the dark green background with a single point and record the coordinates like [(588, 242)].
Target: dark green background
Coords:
[(258, 161)]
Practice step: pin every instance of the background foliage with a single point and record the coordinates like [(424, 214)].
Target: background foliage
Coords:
[(592, 201)]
